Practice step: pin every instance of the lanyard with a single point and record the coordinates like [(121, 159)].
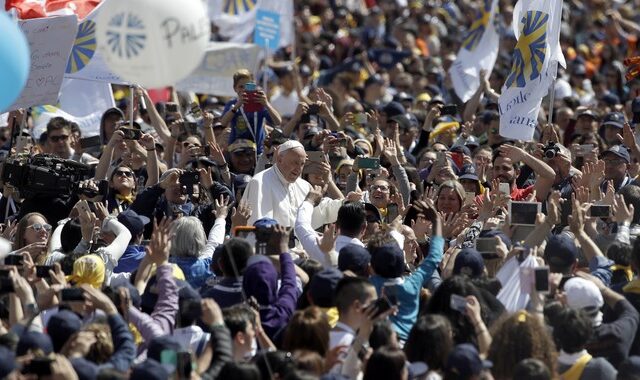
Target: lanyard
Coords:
[(255, 124)]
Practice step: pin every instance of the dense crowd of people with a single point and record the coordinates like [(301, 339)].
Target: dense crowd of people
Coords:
[(346, 215)]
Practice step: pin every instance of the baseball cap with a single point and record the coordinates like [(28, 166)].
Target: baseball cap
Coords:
[(585, 295), (133, 221), (355, 258), (32, 340), (393, 109), (373, 209), (240, 181), (241, 145), (561, 251), (265, 223), (468, 171), (62, 326), (373, 79), (403, 96), (404, 122), (388, 260), (417, 369), (322, 287), (423, 97), (619, 151), (587, 112), (615, 119), (469, 262), (464, 360), (150, 370)]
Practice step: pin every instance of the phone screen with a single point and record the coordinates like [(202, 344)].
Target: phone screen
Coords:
[(542, 279), (486, 245), (600, 211), (524, 213), (392, 212)]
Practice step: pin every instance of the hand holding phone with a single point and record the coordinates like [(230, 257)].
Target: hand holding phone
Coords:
[(458, 303), (72, 295)]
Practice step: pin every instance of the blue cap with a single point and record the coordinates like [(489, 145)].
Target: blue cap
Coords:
[(393, 109), (133, 221), (150, 370), (32, 340), (469, 261), (403, 120), (468, 171), (464, 360), (615, 119), (265, 223), (62, 326), (561, 251), (619, 151), (388, 260), (322, 287), (355, 258), (373, 79)]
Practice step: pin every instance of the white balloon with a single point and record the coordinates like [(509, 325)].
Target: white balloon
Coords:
[(153, 43)]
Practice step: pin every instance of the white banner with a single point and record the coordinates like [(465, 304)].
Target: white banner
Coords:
[(535, 60), (236, 19), (478, 52), (89, 125), (214, 76), (85, 61), (50, 40)]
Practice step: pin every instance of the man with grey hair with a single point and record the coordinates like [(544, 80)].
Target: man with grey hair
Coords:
[(279, 191)]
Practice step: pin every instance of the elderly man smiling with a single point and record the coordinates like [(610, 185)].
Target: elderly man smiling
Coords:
[(279, 191)]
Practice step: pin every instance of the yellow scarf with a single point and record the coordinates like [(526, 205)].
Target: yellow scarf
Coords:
[(575, 372), (125, 198), (626, 268)]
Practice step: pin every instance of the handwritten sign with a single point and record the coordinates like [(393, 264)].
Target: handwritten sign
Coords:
[(50, 40), (214, 76)]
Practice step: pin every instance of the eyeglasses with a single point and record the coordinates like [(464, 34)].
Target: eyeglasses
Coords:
[(39, 226), (123, 173), (379, 187), (59, 138)]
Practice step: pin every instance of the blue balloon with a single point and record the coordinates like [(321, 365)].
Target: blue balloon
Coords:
[(15, 61)]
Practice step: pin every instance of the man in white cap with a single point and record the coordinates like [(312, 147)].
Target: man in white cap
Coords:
[(612, 338), (279, 191)]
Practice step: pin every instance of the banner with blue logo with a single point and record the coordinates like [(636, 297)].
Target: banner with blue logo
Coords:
[(533, 68), (478, 52)]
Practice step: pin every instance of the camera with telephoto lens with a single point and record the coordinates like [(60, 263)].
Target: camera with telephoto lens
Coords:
[(551, 150), (43, 174)]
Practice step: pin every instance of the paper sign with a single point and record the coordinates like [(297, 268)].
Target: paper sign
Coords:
[(267, 32), (50, 40), (214, 76)]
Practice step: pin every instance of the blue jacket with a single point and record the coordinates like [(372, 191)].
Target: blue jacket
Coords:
[(407, 289), (196, 270), (130, 259)]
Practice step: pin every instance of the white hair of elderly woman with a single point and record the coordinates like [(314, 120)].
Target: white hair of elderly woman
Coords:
[(189, 237)]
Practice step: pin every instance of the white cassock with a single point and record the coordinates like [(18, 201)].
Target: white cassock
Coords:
[(270, 196)]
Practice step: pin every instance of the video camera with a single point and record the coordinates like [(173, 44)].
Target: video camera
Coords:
[(43, 174)]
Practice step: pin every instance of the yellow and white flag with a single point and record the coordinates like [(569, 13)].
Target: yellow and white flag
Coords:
[(478, 52), (534, 67)]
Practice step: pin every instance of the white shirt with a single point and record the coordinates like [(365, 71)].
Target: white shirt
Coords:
[(308, 237), (341, 335), (285, 104), (342, 240), (270, 195)]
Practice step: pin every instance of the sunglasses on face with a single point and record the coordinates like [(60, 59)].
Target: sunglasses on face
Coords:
[(39, 226), (379, 187), (59, 138), (123, 173)]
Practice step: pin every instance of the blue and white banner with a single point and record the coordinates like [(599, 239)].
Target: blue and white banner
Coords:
[(236, 19), (478, 52), (534, 67)]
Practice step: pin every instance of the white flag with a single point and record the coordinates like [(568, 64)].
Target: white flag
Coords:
[(85, 61), (535, 60), (236, 19), (478, 52)]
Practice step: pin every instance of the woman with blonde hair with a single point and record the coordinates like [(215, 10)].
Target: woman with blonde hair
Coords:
[(517, 337)]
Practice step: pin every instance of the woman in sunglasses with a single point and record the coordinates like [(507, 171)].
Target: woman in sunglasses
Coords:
[(122, 189), (32, 235)]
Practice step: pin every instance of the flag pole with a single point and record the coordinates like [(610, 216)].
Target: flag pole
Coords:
[(131, 100), (264, 69), (552, 94)]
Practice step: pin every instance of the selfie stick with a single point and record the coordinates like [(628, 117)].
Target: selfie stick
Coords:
[(264, 76)]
